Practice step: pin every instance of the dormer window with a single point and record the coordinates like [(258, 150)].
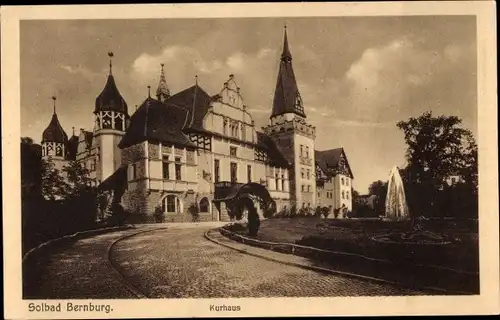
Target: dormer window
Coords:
[(298, 104)]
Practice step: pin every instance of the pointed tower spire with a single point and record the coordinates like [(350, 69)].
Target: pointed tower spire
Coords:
[(286, 95), (149, 91), (286, 55), (162, 93), (110, 54), (54, 98)]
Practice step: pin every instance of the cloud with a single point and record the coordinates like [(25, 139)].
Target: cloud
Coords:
[(79, 70)]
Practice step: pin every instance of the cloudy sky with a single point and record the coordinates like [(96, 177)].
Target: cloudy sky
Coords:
[(357, 76)]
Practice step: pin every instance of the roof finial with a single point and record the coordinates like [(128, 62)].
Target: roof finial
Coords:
[(149, 91), (110, 54), (286, 55), (54, 98), (196, 79), (136, 107), (73, 130)]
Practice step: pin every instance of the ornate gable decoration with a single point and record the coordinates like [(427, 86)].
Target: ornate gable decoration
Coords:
[(230, 94)]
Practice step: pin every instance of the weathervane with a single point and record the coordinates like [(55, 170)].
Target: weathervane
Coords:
[(110, 55), (54, 98)]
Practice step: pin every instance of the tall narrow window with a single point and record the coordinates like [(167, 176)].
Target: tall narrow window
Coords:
[(347, 195), (283, 182), (343, 195), (224, 127), (234, 172), (342, 180), (178, 168), (301, 150), (307, 152), (308, 174), (243, 132), (249, 173), (276, 181), (173, 203), (216, 170), (166, 168), (134, 171), (302, 173)]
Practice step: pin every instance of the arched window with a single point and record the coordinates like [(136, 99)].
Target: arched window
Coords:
[(347, 195), (204, 205), (343, 195), (172, 204), (342, 181)]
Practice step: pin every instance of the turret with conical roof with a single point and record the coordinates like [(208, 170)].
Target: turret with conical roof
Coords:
[(286, 95), (54, 138), (111, 110)]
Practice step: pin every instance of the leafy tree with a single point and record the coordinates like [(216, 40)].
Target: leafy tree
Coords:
[(53, 184), (379, 190), (437, 148), (78, 179), (31, 167)]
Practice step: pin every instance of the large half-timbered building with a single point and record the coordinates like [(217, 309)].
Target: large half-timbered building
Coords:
[(195, 151)]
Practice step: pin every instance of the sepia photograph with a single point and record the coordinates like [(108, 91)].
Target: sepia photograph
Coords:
[(236, 157)]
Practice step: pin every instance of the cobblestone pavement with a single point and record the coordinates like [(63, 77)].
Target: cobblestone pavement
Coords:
[(182, 263), (81, 270)]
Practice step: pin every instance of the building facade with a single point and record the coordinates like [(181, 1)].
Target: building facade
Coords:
[(194, 154)]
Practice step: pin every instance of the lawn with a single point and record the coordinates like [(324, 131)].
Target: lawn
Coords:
[(355, 236)]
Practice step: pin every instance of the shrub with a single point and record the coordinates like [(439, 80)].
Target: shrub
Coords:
[(159, 215), (118, 214), (194, 211), (284, 212), (293, 212), (317, 212), (325, 211), (302, 212)]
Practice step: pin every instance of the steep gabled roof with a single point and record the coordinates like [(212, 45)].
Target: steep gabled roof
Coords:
[(329, 159), (157, 121), (196, 102), (72, 147)]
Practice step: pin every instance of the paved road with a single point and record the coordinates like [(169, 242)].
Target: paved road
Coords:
[(182, 263), (80, 270)]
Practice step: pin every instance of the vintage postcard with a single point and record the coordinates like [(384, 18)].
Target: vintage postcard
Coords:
[(234, 160)]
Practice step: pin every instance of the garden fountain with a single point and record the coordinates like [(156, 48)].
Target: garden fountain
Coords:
[(396, 209), (395, 202)]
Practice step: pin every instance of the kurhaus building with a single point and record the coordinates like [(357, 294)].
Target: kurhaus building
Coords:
[(198, 152)]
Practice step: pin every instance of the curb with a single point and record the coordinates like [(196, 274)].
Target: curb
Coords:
[(319, 269), (118, 274), (72, 237)]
